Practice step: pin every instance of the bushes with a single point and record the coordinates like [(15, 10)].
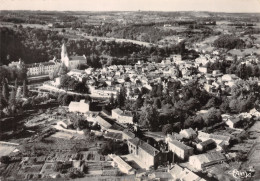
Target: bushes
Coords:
[(229, 42), (167, 128), (112, 147), (5, 159)]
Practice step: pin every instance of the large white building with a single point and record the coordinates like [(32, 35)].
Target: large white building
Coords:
[(81, 106), (36, 69), (43, 68)]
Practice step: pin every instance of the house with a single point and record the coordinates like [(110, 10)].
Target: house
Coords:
[(64, 123), (173, 136), (114, 136), (81, 106), (206, 145), (188, 133), (105, 92), (229, 79), (203, 69), (221, 140), (89, 70), (127, 134), (204, 160), (166, 61), (233, 122), (179, 173), (202, 60), (255, 113), (176, 58), (103, 123), (122, 116), (217, 138), (181, 150), (150, 156), (122, 165)]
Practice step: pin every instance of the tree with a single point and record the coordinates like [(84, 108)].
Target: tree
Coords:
[(188, 122), (167, 128), (211, 103), (229, 42), (88, 98), (120, 148), (64, 81), (157, 103), (15, 84), (212, 116), (3, 102), (149, 117), (112, 99), (198, 122), (159, 90), (66, 100), (80, 87), (224, 107), (12, 98), (86, 132), (139, 102), (5, 91), (25, 89), (121, 97), (5, 159), (177, 127)]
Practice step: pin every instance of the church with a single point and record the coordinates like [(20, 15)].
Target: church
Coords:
[(71, 62), (44, 68)]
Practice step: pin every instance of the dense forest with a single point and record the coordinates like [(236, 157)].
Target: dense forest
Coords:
[(36, 45)]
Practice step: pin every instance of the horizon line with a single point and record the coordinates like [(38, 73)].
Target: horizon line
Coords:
[(130, 11)]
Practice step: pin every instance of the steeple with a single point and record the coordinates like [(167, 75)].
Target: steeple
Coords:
[(64, 55), (63, 51)]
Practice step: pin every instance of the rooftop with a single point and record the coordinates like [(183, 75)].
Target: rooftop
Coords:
[(210, 157), (112, 135), (38, 64), (207, 142), (145, 146), (103, 122), (77, 58), (129, 133), (180, 145), (122, 113), (122, 163)]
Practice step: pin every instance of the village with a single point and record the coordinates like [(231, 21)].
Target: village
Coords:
[(93, 137)]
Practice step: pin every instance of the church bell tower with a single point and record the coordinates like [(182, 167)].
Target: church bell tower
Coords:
[(64, 55)]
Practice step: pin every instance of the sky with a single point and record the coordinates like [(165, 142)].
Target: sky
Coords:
[(134, 5)]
